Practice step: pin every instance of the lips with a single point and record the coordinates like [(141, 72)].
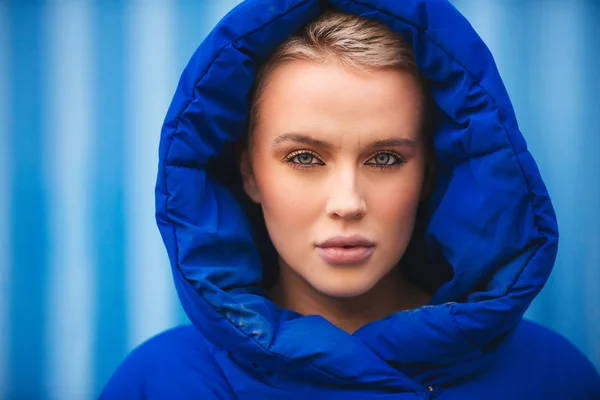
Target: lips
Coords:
[(346, 250)]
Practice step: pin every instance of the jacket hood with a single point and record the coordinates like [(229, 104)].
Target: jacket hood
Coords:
[(485, 242)]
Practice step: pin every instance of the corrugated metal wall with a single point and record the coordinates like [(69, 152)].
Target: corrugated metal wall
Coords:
[(84, 86)]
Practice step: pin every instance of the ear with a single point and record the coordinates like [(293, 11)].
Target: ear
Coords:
[(248, 179)]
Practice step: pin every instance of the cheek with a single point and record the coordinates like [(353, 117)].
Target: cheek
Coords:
[(288, 202), (396, 199)]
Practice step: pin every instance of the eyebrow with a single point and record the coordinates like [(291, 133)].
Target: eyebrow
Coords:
[(302, 139), (378, 144), (395, 142)]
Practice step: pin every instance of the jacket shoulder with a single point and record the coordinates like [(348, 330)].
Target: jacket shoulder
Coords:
[(557, 362), (176, 364), (545, 344), (533, 363)]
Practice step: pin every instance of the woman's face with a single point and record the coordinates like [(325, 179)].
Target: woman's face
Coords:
[(337, 164)]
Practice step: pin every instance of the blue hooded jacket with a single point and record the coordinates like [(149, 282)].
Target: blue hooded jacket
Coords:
[(484, 244)]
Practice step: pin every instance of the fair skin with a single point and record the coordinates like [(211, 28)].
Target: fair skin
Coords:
[(338, 153)]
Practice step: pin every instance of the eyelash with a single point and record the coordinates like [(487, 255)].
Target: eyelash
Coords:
[(290, 160), (398, 163)]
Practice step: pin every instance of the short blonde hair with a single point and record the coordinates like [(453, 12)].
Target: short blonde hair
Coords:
[(356, 43)]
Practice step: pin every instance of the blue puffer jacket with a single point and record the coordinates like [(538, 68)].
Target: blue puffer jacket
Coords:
[(489, 231)]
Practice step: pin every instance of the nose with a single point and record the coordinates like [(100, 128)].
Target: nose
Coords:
[(345, 200)]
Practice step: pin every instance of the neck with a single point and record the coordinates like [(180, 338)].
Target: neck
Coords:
[(393, 293)]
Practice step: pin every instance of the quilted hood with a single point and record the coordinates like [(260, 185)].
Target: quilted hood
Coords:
[(485, 242)]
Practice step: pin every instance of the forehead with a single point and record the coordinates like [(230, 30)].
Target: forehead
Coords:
[(327, 99)]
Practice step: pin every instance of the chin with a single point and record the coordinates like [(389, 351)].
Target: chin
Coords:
[(342, 287)]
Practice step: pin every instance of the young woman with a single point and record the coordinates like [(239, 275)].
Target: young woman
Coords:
[(351, 212)]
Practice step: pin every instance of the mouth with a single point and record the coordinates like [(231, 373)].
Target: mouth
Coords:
[(353, 250)]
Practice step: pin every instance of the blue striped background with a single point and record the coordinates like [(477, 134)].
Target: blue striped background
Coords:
[(84, 86)]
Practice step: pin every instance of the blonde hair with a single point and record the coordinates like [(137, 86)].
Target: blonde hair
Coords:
[(356, 43)]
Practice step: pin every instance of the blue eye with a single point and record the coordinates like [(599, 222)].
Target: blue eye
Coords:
[(303, 158), (385, 159)]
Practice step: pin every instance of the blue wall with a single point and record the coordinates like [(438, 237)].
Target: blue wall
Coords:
[(84, 86)]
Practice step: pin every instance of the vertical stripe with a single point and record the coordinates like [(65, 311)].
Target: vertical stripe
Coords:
[(27, 191), (151, 81), (521, 45), (5, 164), (590, 234), (556, 79), (193, 24), (107, 173), (67, 146)]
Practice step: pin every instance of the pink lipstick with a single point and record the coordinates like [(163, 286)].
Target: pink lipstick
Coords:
[(341, 250)]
